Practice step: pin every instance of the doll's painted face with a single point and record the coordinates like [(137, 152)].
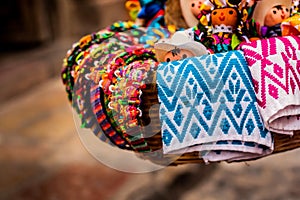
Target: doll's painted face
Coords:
[(177, 54), (224, 16), (195, 6), (276, 15)]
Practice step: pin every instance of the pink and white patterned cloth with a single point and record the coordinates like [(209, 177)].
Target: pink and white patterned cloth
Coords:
[(275, 68)]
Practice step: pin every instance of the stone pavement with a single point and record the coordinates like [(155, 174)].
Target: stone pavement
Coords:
[(41, 155)]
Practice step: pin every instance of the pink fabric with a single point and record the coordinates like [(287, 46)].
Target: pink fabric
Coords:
[(275, 68)]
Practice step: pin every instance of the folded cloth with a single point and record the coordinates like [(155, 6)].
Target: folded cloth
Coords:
[(208, 103), (275, 68), (229, 156)]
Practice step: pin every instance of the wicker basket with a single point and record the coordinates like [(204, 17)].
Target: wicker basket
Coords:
[(73, 75), (282, 142)]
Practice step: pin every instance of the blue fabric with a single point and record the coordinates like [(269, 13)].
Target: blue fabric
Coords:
[(208, 103), (150, 9)]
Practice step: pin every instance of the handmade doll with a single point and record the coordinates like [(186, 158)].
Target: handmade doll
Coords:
[(221, 31), (224, 23), (179, 46), (191, 9), (195, 6), (269, 14), (273, 20)]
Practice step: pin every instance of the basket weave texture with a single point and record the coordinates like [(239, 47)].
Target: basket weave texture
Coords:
[(92, 103), (282, 142)]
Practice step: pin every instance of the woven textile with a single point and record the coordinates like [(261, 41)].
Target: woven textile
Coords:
[(275, 67), (89, 62), (104, 124), (208, 103)]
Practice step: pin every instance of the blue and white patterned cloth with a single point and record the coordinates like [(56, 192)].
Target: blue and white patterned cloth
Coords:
[(208, 105)]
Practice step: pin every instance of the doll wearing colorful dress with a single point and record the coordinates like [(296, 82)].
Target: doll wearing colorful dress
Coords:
[(273, 20), (220, 22), (269, 15), (224, 24)]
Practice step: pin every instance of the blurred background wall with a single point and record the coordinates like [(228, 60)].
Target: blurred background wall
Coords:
[(25, 23), (36, 34)]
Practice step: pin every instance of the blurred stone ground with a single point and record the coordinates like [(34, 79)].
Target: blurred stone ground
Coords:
[(42, 156)]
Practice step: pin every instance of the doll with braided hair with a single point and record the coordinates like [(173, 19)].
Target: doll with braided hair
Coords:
[(222, 29)]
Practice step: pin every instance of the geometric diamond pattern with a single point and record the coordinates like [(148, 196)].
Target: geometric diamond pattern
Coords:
[(250, 126), (238, 109), (274, 64), (198, 108), (195, 130), (225, 126), (167, 137), (178, 116)]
